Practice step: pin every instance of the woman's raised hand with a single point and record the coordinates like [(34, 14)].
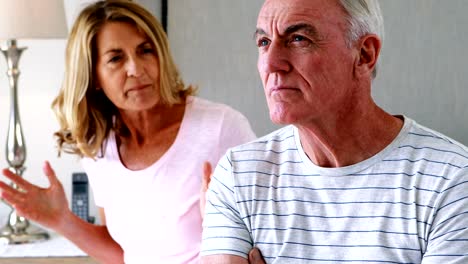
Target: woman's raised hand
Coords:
[(46, 206), (207, 171)]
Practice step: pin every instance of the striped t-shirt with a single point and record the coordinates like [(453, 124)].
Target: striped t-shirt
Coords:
[(407, 204)]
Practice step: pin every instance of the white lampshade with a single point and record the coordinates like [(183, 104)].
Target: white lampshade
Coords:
[(30, 19)]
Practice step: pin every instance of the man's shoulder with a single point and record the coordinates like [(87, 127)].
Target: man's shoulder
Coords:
[(425, 142), (423, 137)]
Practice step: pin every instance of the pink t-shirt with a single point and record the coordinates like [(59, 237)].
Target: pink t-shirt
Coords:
[(154, 213)]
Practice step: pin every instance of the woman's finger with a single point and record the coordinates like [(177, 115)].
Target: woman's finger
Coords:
[(7, 188), (206, 178), (11, 196), (207, 171), (49, 172), (16, 179)]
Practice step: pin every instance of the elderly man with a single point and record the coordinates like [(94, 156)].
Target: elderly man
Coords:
[(345, 181)]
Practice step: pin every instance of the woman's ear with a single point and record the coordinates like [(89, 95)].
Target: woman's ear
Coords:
[(368, 52)]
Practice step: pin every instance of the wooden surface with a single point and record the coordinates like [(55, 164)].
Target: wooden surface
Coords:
[(75, 260)]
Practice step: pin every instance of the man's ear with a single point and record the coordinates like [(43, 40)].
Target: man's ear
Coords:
[(368, 53)]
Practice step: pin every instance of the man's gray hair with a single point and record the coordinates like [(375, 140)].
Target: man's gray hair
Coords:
[(364, 17)]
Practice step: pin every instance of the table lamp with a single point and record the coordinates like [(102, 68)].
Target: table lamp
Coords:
[(24, 19)]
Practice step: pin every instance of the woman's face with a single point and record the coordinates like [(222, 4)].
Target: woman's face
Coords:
[(127, 67)]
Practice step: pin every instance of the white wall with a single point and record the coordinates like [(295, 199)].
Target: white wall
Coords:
[(424, 72)]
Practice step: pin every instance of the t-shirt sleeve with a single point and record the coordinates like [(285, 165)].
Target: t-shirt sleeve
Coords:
[(224, 231), (448, 235)]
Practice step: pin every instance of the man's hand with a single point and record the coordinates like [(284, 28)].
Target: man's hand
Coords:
[(43, 205), (207, 171), (255, 257)]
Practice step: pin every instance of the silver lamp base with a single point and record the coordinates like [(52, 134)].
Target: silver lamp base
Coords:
[(30, 235), (19, 231)]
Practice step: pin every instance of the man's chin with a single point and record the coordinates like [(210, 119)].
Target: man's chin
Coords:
[(281, 119)]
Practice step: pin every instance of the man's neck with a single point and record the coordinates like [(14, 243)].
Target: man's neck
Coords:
[(350, 139)]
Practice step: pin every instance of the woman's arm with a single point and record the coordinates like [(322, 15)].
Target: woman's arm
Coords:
[(49, 207), (92, 239)]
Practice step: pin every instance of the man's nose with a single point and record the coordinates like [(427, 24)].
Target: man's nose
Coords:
[(274, 59), (134, 67)]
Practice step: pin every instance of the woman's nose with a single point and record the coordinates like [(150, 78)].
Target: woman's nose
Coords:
[(134, 67)]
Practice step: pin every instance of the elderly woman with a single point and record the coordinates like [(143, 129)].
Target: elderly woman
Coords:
[(143, 138)]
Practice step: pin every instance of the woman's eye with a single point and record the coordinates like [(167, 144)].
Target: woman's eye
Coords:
[(148, 50), (114, 59)]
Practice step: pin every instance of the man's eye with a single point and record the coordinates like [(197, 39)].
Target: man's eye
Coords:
[(298, 38), (300, 41), (263, 42)]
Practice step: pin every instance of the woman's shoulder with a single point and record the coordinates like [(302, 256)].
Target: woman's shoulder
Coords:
[(213, 108), (108, 151), (217, 117), (203, 103)]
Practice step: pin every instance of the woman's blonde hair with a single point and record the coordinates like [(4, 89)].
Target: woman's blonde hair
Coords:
[(85, 114)]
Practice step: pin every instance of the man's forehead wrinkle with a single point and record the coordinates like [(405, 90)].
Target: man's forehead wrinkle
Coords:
[(281, 18)]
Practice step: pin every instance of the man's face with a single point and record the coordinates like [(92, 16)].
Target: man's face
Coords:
[(304, 63)]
